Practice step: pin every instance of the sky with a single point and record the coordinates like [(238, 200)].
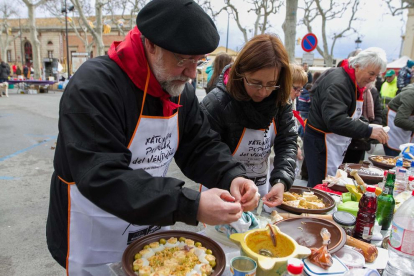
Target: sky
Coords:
[(376, 28)]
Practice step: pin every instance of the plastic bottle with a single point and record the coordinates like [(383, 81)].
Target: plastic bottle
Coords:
[(384, 179), (410, 186), (400, 181), (386, 203), (294, 267), (398, 164), (366, 215), (400, 244)]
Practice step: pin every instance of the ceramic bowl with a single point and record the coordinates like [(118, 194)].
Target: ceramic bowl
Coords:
[(253, 241)]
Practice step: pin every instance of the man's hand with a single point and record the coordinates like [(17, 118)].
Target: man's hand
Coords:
[(379, 134), (275, 195), (218, 207), (245, 192)]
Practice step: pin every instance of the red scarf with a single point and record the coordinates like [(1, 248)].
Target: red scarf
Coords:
[(351, 73), (130, 56)]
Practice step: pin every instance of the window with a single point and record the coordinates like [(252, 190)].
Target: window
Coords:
[(9, 59), (50, 53), (49, 42)]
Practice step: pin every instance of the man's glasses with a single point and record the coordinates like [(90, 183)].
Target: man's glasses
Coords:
[(259, 86), (297, 89), (185, 61)]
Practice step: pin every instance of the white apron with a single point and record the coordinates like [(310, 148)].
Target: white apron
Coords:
[(336, 145), (97, 237), (253, 152), (397, 136)]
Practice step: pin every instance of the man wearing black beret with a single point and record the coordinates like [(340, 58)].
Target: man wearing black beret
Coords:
[(122, 119)]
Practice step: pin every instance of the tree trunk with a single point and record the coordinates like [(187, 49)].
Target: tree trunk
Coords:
[(35, 42), (100, 47), (289, 28)]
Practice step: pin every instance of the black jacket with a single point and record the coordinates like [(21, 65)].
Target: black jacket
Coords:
[(224, 116), (98, 115), (403, 104), (333, 103), (4, 70)]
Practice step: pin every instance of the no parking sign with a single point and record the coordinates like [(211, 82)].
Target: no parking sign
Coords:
[(309, 42)]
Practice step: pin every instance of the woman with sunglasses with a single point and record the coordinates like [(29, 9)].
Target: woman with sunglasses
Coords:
[(250, 110)]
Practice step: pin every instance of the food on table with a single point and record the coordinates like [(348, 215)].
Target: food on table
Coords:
[(321, 256), (275, 217), (369, 251), (174, 256), (307, 200), (390, 160)]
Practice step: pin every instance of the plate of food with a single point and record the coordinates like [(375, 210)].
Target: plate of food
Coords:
[(306, 200), (370, 174), (387, 162), (174, 252), (307, 232)]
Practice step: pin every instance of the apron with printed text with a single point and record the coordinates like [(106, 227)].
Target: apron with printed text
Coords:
[(97, 237), (336, 145), (253, 151), (397, 136)]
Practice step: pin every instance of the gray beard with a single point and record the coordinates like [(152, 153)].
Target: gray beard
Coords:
[(166, 81)]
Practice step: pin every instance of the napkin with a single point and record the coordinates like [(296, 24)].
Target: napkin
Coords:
[(246, 222)]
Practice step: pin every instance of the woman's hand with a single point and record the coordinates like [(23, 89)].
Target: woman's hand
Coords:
[(275, 196)]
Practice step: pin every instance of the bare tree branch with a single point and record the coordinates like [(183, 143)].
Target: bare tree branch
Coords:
[(404, 5), (314, 9)]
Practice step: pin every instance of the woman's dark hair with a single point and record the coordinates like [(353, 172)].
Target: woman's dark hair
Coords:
[(262, 51), (220, 62)]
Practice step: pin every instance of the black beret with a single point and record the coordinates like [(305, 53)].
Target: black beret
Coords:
[(179, 26)]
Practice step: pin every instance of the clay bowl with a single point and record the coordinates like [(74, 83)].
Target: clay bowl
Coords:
[(387, 166), (307, 232), (136, 246), (370, 176), (327, 200)]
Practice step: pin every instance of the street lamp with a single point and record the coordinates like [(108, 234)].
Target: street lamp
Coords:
[(358, 41), (65, 11)]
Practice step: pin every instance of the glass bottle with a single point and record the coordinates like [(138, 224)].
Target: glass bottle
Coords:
[(386, 203)]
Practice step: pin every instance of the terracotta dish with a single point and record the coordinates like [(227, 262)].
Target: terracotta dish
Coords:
[(387, 165), (327, 200), (136, 246), (307, 232), (371, 175)]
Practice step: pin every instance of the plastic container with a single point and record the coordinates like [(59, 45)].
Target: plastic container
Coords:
[(345, 220), (337, 268), (410, 186), (400, 181), (349, 207), (351, 258), (386, 203), (366, 215), (400, 244), (362, 272), (294, 267)]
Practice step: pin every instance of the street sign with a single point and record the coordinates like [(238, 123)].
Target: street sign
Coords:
[(308, 58), (309, 42)]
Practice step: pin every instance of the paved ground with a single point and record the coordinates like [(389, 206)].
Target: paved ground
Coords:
[(28, 131)]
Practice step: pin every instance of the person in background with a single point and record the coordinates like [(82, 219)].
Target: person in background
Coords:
[(404, 75), (303, 102), (4, 71), (299, 79), (315, 77), (399, 116), (378, 83), (389, 87), (123, 118), (18, 71), (25, 71), (250, 110), (309, 74), (209, 71), (14, 68), (335, 110), (220, 62)]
